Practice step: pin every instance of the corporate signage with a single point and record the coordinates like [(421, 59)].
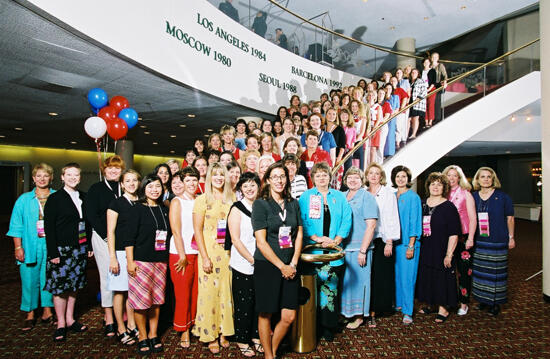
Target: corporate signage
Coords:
[(194, 43)]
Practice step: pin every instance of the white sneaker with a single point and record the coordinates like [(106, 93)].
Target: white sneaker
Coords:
[(462, 312)]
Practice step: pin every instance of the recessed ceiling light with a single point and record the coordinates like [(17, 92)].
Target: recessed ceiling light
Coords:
[(191, 115), (18, 128), (142, 126), (173, 136), (73, 142), (155, 143), (508, 151), (2, 136), (392, 27), (172, 151), (528, 118), (513, 118), (53, 113), (207, 135), (183, 125), (146, 132), (140, 119), (209, 130), (463, 7)]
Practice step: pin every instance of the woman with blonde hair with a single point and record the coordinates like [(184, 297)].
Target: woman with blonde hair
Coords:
[(268, 146), (494, 237), (214, 309), (461, 197), (249, 161), (359, 115), (215, 142)]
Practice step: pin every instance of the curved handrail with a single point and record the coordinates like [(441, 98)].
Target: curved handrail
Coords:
[(376, 47), (392, 116)]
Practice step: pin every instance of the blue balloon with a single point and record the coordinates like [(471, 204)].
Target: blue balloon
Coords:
[(97, 98), (130, 116)]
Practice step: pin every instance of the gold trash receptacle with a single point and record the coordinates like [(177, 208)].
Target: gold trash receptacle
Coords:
[(304, 329)]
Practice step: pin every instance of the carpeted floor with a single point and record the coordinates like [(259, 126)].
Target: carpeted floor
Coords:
[(522, 330)]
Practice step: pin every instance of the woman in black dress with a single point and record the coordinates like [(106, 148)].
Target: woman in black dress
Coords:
[(68, 241), (436, 283)]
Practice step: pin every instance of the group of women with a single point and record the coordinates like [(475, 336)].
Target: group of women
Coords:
[(232, 249)]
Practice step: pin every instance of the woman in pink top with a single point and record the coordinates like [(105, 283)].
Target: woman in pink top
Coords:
[(348, 124), (461, 197)]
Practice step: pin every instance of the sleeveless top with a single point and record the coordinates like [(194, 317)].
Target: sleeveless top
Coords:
[(458, 198), (186, 227), (236, 261)]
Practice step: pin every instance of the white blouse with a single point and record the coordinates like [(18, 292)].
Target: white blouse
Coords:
[(387, 226), (237, 261), (186, 229)]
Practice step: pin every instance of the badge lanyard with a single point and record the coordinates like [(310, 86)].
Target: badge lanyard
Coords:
[(160, 235), (40, 223), (483, 218), (285, 239), (109, 186), (426, 221)]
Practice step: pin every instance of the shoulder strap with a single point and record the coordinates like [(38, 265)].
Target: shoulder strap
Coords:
[(242, 208)]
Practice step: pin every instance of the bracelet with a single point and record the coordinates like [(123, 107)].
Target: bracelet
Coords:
[(449, 255), (363, 253), (410, 248), (292, 265), (16, 248)]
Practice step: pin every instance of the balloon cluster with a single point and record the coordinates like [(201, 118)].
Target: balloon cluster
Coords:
[(114, 117)]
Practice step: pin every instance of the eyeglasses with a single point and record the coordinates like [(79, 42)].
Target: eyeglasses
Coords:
[(281, 178)]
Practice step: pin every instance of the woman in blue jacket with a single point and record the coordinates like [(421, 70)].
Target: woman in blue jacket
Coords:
[(407, 250), (29, 241), (326, 218)]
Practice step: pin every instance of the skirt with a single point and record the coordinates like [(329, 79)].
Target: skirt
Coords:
[(272, 291), (490, 271), (119, 282), (70, 274), (356, 286), (147, 287)]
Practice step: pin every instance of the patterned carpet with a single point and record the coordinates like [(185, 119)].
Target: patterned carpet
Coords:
[(522, 330)]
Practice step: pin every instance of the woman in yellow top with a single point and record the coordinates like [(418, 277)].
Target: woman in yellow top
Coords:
[(214, 305)]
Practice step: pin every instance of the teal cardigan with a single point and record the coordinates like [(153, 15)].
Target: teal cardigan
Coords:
[(23, 220), (340, 217)]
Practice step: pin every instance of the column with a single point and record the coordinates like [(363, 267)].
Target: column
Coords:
[(125, 149), (545, 115), (407, 45)]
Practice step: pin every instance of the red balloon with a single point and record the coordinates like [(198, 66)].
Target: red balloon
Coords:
[(108, 114), (117, 128), (119, 103)]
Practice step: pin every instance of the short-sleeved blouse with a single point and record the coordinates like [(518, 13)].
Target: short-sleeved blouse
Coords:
[(265, 215), (363, 206)]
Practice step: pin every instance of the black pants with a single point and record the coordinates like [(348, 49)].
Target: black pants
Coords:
[(244, 316), (382, 279), (464, 270)]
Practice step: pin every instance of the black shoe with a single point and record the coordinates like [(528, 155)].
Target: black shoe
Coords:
[(482, 306), (109, 330), (144, 347), (494, 310), (328, 335)]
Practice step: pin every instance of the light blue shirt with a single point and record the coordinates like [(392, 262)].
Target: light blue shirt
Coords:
[(24, 216), (326, 141), (340, 217), (363, 206), (410, 216)]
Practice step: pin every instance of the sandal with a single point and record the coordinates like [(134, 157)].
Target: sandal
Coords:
[(77, 327), (214, 347), (407, 319), (144, 347), (224, 342), (247, 351), (440, 318), (60, 334), (156, 345), (258, 346), (134, 333), (48, 320), (355, 324), (125, 338), (372, 322), (425, 310), (109, 330), (28, 324)]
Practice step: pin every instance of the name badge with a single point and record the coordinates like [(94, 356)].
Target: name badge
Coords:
[(483, 220), (40, 228), (285, 240), (160, 240), (309, 164), (82, 232), (220, 235), (426, 228), (315, 204)]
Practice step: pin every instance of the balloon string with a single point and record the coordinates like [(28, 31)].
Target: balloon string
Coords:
[(106, 147), (98, 147), (116, 141)]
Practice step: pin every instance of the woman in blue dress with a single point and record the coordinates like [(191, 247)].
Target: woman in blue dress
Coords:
[(494, 237), (408, 248), (358, 247), (325, 217)]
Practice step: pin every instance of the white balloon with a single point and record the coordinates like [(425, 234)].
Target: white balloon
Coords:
[(95, 127)]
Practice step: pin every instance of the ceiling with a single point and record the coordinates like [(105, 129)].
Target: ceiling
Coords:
[(46, 69)]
